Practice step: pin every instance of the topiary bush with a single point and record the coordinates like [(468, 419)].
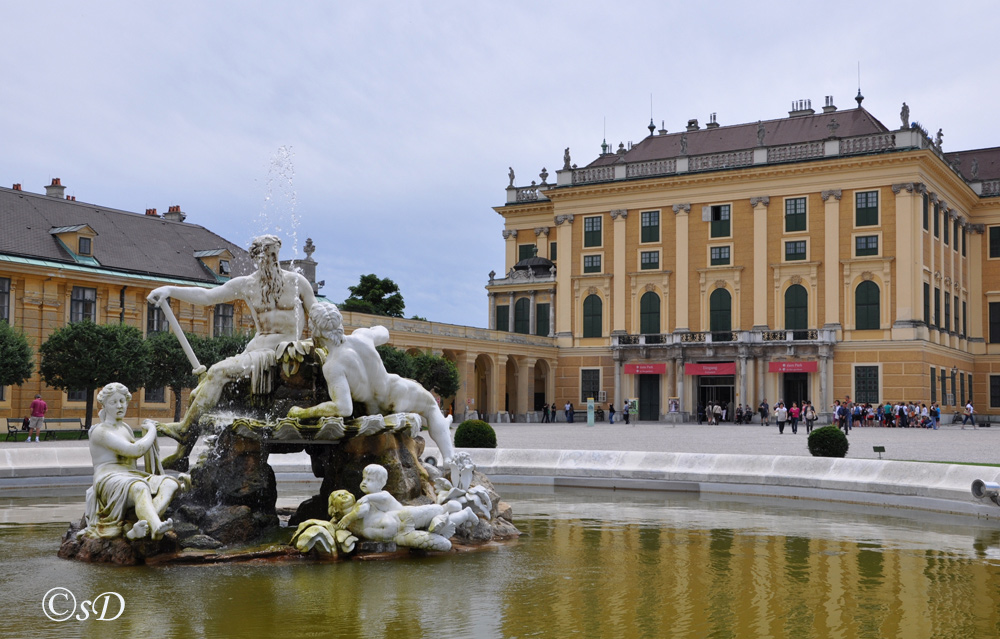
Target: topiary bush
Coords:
[(475, 433), (828, 441)]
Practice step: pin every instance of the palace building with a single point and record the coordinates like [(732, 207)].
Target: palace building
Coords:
[(810, 257)]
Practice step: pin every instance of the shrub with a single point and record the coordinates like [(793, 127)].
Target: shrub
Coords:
[(828, 441), (475, 433)]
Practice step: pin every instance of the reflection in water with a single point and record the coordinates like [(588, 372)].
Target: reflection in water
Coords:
[(592, 563)]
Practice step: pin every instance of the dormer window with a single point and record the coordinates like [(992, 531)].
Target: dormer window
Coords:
[(223, 267), (84, 246)]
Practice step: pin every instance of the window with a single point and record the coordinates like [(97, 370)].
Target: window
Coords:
[(866, 303), (522, 316), (649, 314), (223, 319), (796, 308), (965, 235), (953, 395), (224, 267), (866, 245), (946, 227), (76, 395), (969, 376), (83, 304), (542, 320), (957, 314), (994, 391), (592, 309), (156, 321), (649, 260), (795, 214), (719, 217), (591, 263), (994, 322), (961, 387), (944, 387), (965, 318), (591, 231), (503, 318), (866, 384), (552, 251), (995, 241), (937, 307), (156, 395), (3, 393), (926, 217), (927, 303), (719, 255), (84, 246), (4, 299), (866, 208), (590, 384), (650, 226), (933, 385), (525, 251), (795, 251), (947, 312), (955, 233), (937, 220), (720, 311)]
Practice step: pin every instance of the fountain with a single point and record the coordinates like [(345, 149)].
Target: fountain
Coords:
[(329, 396)]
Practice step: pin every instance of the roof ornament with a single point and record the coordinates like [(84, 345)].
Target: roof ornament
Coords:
[(544, 175), (604, 146), (566, 161), (684, 143), (760, 133), (651, 127), (859, 98), (974, 171), (938, 139), (904, 115), (510, 175), (833, 125)]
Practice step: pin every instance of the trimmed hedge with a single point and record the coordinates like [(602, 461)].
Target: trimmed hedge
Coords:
[(828, 441), (475, 433)]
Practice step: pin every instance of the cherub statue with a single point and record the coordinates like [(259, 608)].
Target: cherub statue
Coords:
[(379, 516), (124, 498), (323, 536), (354, 372)]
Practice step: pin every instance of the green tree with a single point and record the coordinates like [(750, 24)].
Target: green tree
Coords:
[(84, 355), (436, 374), (17, 361), (396, 361), (376, 296)]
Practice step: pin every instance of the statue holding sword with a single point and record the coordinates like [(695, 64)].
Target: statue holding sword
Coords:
[(278, 301)]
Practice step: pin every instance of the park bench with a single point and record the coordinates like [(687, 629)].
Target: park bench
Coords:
[(13, 427), (53, 425)]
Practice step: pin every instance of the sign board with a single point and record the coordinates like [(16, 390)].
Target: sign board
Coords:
[(722, 368), (674, 404), (646, 369), (792, 367)]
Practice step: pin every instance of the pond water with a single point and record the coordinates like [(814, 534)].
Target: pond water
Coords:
[(592, 563)]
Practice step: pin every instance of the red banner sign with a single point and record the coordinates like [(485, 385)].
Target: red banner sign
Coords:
[(722, 368), (792, 367), (645, 369)]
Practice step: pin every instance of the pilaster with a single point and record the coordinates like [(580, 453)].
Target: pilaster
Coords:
[(682, 214), (564, 289), (831, 252), (909, 256), (618, 298), (759, 246), (510, 248)]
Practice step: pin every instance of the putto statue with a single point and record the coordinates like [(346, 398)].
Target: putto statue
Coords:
[(123, 498), (354, 372), (278, 301)]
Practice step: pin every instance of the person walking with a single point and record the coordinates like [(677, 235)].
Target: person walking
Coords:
[(625, 411), (545, 413), (611, 413), (37, 420), (701, 413), (780, 416), (717, 413), (793, 413), (810, 416), (765, 413), (568, 410), (969, 416)]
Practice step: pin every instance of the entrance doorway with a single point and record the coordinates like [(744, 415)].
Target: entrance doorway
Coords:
[(718, 389), (796, 387), (649, 398)]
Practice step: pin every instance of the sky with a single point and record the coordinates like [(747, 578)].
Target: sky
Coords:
[(384, 130)]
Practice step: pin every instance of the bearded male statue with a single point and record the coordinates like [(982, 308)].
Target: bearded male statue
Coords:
[(278, 301)]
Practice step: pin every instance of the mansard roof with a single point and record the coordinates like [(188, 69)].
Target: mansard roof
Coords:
[(127, 242)]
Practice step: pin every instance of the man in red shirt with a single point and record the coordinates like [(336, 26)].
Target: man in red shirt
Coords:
[(37, 421)]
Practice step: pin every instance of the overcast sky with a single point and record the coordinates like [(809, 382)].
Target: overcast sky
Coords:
[(383, 130)]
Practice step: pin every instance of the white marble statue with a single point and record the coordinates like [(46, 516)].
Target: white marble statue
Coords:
[(123, 498), (278, 300), (322, 536), (378, 516), (354, 372)]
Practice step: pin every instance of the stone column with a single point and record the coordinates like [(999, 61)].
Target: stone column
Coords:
[(552, 312), (493, 311), (759, 247), (531, 313), (761, 390), (618, 298), (499, 386), (510, 249), (682, 319), (564, 286), (742, 399), (672, 378), (510, 314), (909, 258), (525, 387), (617, 358), (542, 241), (977, 336), (831, 258), (680, 385), (824, 390)]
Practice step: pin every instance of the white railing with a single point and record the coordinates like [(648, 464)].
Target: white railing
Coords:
[(991, 188), (650, 169), (868, 144), (596, 174), (793, 152), (721, 160)]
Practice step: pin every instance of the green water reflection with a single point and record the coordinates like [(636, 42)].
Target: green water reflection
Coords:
[(592, 563)]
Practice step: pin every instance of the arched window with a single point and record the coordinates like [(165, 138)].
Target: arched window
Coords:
[(720, 311), (649, 314), (522, 310), (866, 306), (592, 309), (796, 308)]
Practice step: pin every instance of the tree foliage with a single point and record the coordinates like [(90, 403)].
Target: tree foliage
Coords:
[(437, 374), (396, 361), (17, 361), (84, 355), (374, 295)]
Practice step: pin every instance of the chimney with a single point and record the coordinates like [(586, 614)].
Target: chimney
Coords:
[(71, 198), (693, 125), (151, 213), (56, 189), (712, 124), (174, 214), (828, 107), (801, 108), (17, 187)]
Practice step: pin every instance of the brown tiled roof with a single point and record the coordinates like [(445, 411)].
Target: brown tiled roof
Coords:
[(125, 241), (988, 160), (797, 130)]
